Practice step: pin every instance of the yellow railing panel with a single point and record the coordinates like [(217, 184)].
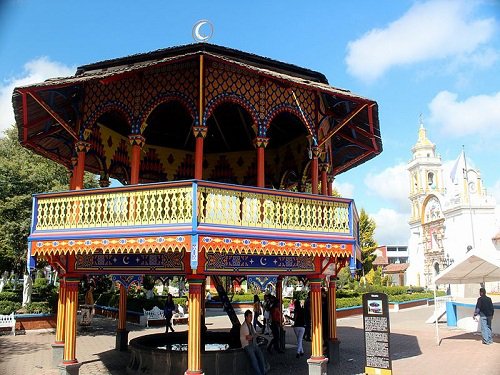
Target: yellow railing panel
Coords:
[(142, 207), (247, 209)]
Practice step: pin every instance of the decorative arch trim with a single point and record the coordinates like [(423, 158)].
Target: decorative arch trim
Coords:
[(230, 98), (165, 97), (107, 107), (275, 111)]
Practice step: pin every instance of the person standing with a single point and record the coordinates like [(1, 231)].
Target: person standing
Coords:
[(307, 312), (248, 339), (275, 326), (484, 308), (257, 311), (299, 323), (169, 312)]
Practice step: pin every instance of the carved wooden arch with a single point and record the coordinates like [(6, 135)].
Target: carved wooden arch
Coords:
[(102, 163), (235, 99), (288, 108), (166, 97), (102, 109), (118, 166)]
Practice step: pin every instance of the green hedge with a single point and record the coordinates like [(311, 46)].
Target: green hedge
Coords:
[(38, 308), (9, 296), (9, 307)]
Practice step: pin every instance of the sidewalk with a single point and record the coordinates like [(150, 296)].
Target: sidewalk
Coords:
[(413, 348)]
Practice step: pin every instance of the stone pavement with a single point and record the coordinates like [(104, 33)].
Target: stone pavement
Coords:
[(413, 348)]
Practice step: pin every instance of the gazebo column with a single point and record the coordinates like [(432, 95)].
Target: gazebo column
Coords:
[(314, 170), (121, 332), (200, 132), (196, 295), (73, 172), (58, 345), (82, 148), (318, 362), (333, 341), (261, 144), (69, 362), (137, 142), (324, 178), (330, 185)]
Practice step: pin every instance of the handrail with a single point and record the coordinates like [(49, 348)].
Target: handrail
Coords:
[(171, 203)]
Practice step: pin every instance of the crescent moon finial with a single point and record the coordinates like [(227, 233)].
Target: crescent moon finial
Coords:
[(197, 33)]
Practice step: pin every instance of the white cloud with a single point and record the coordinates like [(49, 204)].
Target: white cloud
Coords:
[(391, 185), (345, 189), (427, 31), (392, 227), (475, 115), (34, 71)]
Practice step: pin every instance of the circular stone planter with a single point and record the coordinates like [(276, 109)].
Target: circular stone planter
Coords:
[(167, 354)]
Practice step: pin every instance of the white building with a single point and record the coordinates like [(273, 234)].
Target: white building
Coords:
[(450, 213)]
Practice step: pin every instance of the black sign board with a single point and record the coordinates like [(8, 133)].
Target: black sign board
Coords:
[(377, 333)]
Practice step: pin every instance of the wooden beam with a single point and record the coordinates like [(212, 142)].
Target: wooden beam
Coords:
[(331, 133), (351, 162), (51, 112)]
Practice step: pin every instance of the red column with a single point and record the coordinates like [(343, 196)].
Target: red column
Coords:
[(314, 170), (330, 185), (196, 295), (122, 309), (332, 310), (69, 355), (137, 142), (324, 179), (279, 295), (261, 144), (82, 148), (200, 133)]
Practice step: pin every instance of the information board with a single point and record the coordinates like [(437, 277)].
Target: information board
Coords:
[(377, 333)]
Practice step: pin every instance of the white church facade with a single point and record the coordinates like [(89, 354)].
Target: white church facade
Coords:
[(451, 213)]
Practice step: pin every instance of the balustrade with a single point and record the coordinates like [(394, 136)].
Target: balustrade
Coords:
[(172, 203)]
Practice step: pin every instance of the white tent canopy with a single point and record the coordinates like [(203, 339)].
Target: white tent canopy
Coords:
[(476, 267)]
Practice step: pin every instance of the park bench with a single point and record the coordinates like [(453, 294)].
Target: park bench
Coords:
[(8, 321), (154, 314)]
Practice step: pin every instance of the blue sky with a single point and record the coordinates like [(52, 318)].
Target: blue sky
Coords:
[(437, 58)]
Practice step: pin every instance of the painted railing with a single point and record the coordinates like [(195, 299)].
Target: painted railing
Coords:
[(172, 203)]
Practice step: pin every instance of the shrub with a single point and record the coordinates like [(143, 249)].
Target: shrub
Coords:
[(38, 308), (8, 307), (348, 302), (9, 296)]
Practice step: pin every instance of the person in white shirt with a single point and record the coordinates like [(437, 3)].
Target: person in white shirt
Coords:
[(248, 339)]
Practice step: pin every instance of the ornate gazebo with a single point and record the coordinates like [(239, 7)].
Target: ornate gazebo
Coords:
[(227, 161)]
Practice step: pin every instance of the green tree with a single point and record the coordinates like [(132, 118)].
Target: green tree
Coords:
[(23, 173), (368, 244)]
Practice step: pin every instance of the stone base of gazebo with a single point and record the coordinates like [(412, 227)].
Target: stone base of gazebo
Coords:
[(57, 354), (333, 350), (317, 366), (121, 340)]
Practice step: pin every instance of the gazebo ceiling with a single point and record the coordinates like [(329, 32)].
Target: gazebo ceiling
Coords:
[(156, 94)]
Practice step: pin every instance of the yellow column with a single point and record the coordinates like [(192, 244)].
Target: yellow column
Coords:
[(316, 322), (69, 355), (61, 307), (332, 309), (196, 294)]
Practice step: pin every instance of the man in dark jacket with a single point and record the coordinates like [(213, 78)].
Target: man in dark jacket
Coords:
[(484, 308)]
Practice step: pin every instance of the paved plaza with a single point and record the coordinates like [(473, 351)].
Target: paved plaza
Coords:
[(413, 347)]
